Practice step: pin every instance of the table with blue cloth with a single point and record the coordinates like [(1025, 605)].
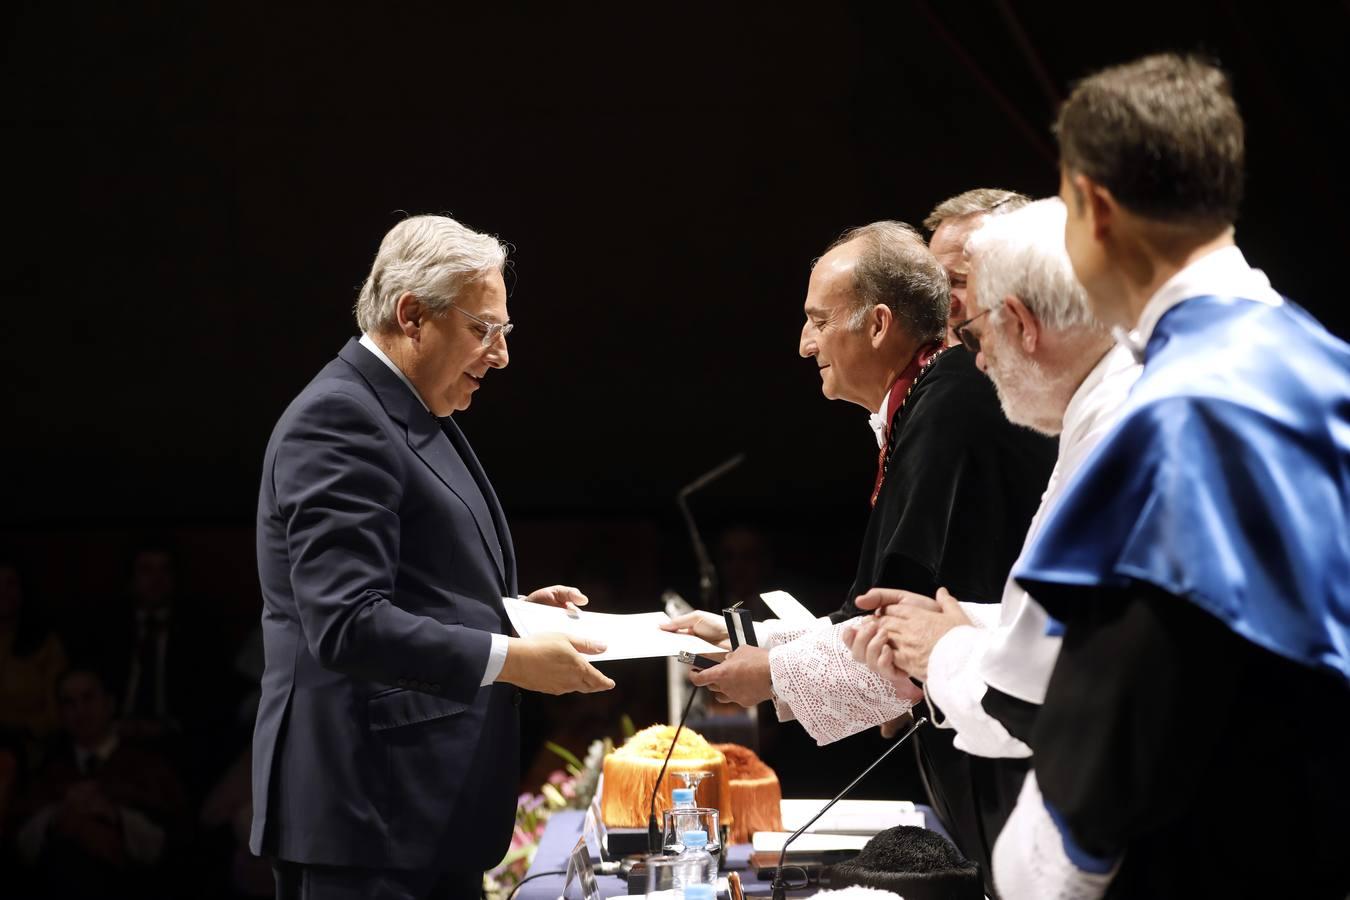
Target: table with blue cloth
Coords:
[(564, 829)]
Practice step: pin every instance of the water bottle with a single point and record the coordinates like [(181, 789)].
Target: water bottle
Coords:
[(677, 824), (700, 892), (695, 865)]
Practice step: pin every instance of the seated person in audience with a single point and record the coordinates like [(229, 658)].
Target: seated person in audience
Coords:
[(101, 814)]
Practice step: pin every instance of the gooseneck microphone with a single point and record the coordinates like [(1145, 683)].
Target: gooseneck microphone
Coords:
[(779, 886), (654, 830), (707, 574)]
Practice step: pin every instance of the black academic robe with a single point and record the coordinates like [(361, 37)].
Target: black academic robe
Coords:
[(962, 483)]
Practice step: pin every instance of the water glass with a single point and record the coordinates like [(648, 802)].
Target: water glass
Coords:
[(697, 818), (660, 880)]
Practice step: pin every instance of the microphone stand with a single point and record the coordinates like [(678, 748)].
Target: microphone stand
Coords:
[(707, 573), (653, 830), (779, 887)]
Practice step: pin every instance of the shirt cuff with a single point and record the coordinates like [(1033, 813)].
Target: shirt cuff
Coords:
[(982, 615), (496, 659)]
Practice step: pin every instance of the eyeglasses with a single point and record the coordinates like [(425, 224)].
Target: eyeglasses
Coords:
[(493, 330), (968, 340)]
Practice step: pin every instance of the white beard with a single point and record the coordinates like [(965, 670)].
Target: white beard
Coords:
[(1026, 392)]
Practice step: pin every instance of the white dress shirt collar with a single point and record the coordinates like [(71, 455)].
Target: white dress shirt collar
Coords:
[(879, 419), (102, 752), (1224, 273), (380, 355)]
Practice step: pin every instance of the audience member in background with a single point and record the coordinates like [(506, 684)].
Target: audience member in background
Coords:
[(31, 659), (102, 814), (951, 223), (162, 648)]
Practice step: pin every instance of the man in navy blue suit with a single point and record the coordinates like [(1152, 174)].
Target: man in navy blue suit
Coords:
[(385, 754)]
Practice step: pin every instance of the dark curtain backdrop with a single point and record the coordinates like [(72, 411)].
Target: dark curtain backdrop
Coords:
[(195, 192)]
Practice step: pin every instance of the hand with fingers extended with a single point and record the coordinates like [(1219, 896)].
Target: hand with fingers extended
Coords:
[(742, 677), (553, 664), (882, 598), (560, 595), (913, 625), (709, 626), (869, 640)]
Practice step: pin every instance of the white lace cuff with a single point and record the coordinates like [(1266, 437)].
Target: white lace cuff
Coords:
[(832, 696)]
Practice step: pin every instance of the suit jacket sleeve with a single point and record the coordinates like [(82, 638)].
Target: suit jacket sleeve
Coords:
[(339, 484)]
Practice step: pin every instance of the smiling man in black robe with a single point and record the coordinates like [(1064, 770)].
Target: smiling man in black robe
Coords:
[(955, 490)]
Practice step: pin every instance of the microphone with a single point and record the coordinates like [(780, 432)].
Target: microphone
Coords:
[(707, 574), (779, 886), (654, 830)]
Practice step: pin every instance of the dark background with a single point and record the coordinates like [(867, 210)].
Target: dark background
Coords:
[(195, 193)]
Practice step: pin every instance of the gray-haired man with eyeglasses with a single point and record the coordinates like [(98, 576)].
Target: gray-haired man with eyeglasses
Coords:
[(385, 751)]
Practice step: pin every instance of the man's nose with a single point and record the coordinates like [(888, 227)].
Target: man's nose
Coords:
[(498, 356), (806, 347)]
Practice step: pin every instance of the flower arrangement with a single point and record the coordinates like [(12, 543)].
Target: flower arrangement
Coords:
[(572, 787)]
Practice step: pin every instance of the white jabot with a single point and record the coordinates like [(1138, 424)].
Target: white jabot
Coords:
[(85, 758), (497, 653), (879, 419), (1224, 272)]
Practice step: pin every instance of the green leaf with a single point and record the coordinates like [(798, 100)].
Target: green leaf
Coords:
[(626, 725), (555, 797), (568, 756)]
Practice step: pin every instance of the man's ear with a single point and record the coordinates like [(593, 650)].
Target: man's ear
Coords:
[(880, 321), (1100, 206), (409, 312), (1026, 327)]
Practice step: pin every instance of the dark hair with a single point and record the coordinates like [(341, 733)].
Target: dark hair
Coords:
[(93, 669), (150, 543), (975, 202), (1163, 134), (896, 268)]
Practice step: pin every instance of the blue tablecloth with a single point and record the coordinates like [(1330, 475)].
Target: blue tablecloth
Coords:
[(564, 828)]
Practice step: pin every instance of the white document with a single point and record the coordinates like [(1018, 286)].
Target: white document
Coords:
[(787, 608), (860, 817), (772, 842), (633, 636)]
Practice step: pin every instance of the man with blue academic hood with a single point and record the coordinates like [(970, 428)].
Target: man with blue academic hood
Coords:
[(1196, 728)]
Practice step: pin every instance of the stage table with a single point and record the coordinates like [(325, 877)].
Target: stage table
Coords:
[(564, 828)]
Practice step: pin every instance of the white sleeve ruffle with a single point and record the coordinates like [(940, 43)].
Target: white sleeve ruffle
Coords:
[(816, 678), (956, 688), (1030, 862)]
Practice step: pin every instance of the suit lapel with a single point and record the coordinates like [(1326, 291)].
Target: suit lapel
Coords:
[(433, 447), (507, 557)]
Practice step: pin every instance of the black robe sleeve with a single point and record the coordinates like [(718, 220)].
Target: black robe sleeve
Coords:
[(1167, 737)]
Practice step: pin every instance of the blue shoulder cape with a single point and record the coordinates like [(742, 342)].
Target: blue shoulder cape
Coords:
[(1226, 483)]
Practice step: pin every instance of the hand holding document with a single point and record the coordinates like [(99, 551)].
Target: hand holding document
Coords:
[(633, 636)]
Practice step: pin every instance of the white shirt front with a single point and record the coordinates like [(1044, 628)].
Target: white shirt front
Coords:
[(500, 645), (1016, 656)]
